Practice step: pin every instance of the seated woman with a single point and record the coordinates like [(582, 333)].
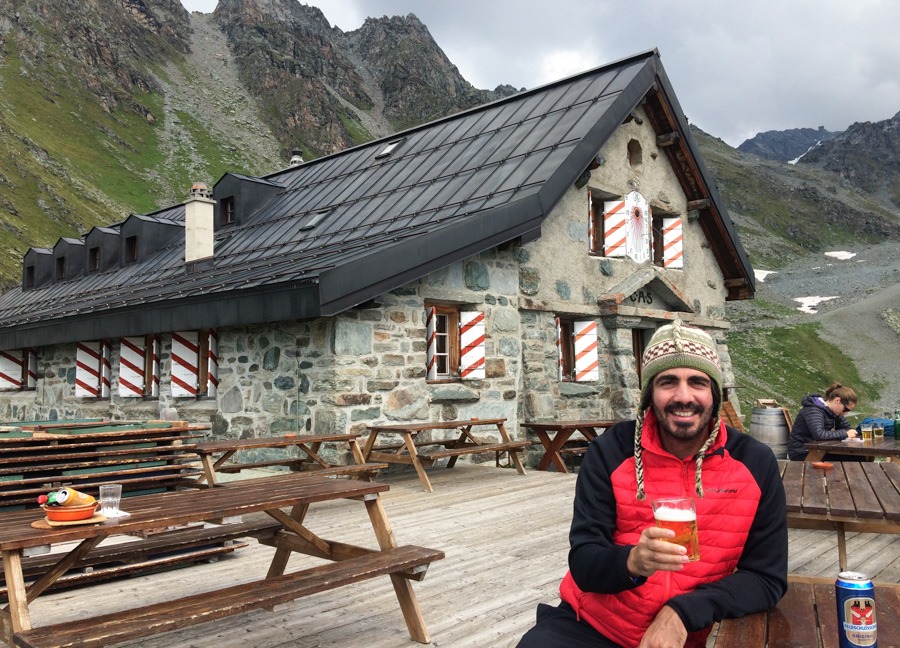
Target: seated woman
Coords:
[(822, 419)]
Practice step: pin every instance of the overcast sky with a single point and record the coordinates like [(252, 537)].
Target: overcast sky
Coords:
[(738, 67)]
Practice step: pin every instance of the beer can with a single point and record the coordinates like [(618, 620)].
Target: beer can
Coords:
[(855, 595), (72, 497)]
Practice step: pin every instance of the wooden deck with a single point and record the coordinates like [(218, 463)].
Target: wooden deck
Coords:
[(505, 538)]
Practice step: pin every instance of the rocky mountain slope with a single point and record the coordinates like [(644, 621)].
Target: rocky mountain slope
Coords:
[(111, 108), (785, 145)]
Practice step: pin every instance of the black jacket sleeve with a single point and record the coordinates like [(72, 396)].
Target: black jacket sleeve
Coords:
[(822, 427), (596, 562)]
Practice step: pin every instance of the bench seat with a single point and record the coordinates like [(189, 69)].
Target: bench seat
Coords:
[(170, 615), (305, 466), (450, 451), (163, 550)]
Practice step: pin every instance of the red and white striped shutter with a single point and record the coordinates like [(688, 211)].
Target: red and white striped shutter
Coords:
[(559, 351), (471, 342), (431, 343), (587, 362), (637, 211), (105, 370), (614, 231), (154, 366), (10, 370), (673, 243), (87, 369), (30, 369), (131, 367), (185, 356), (212, 365)]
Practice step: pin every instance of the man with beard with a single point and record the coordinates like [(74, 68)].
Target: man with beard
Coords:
[(628, 585)]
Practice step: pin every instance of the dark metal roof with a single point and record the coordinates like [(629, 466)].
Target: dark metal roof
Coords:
[(346, 228)]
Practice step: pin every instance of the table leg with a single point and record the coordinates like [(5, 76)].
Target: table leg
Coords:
[(17, 609), (842, 546), (282, 555), (410, 444), (815, 455), (513, 454), (551, 449), (409, 604)]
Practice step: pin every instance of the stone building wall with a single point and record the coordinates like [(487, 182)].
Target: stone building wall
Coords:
[(367, 365)]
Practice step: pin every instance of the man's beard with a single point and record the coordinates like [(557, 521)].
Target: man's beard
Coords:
[(686, 432)]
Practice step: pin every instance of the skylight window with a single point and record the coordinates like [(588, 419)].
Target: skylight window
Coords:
[(390, 148), (317, 218)]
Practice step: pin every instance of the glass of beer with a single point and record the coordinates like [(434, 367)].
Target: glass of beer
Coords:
[(679, 514), (878, 432), (866, 431)]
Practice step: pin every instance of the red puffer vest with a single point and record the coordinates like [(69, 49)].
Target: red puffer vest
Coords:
[(724, 516)]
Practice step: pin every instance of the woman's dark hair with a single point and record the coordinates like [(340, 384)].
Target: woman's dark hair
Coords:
[(847, 395)]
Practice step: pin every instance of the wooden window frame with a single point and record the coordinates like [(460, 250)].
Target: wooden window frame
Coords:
[(447, 330), (227, 213)]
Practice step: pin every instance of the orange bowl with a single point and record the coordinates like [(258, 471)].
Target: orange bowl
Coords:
[(69, 513)]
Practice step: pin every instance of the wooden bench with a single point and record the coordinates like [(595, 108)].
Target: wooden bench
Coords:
[(465, 444), (406, 561), (308, 444), (142, 456), (169, 549)]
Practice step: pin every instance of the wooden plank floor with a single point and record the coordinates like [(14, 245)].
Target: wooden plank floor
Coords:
[(505, 538)]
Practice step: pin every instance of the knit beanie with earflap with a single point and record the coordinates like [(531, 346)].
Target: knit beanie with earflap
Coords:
[(678, 346)]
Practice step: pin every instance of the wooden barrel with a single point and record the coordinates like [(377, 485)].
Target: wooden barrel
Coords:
[(768, 425)]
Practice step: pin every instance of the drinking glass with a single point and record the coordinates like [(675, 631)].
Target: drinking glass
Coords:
[(878, 432), (866, 430), (110, 495), (679, 514)]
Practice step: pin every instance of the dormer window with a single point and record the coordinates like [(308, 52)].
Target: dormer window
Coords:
[(28, 281), (94, 259), (390, 148), (227, 212), (60, 268), (131, 249)]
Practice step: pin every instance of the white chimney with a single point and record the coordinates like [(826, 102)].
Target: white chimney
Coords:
[(199, 227), (296, 157)]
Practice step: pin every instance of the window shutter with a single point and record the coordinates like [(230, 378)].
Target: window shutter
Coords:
[(10, 370), (87, 369), (30, 369), (212, 366), (131, 367), (560, 354), (614, 232), (105, 370), (587, 364), (154, 366), (185, 373), (673, 243), (430, 343), (637, 239), (471, 342)]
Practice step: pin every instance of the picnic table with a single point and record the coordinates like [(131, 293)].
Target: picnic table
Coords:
[(807, 616), (26, 531), (308, 444), (556, 437), (408, 452), (850, 496), (856, 447)]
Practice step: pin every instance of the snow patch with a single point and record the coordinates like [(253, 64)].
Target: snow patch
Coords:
[(808, 304), (843, 256), (762, 274)]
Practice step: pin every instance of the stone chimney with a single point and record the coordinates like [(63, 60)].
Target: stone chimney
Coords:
[(296, 157), (199, 226)]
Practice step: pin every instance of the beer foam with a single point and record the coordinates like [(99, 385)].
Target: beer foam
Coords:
[(669, 514)]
